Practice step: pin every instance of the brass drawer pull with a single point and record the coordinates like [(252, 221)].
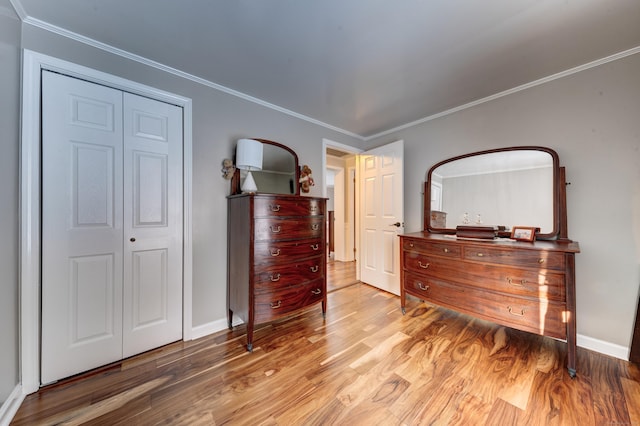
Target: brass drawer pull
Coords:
[(540, 260), (276, 305), (480, 254), (275, 277), (275, 252), (521, 314), (315, 246), (422, 286), (411, 245), (275, 207), (275, 229), (515, 282), (315, 226), (423, 266), (446, 250), (317, 291), (314, 268)]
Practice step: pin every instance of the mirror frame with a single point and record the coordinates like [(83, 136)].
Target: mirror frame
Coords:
[(235, 180), (559, 203)]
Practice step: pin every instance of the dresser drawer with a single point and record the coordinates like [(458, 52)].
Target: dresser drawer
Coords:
[(288, 228), (267, 207), (439, 249), (527, 314), (269, 277), (278, 252), (523, 258), (431, 265), (542, 284), (269, 306)]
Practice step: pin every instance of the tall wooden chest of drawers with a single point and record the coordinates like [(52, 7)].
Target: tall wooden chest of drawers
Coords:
[(529, 286), (276, 257)]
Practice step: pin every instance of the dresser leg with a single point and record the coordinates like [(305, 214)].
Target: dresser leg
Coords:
[(230, 319), (250, 335)]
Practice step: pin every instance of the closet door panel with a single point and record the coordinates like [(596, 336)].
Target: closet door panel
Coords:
[(152, 224), (81, 226)]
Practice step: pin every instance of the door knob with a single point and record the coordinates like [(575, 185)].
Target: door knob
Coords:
[(133, 240), (397, 224)]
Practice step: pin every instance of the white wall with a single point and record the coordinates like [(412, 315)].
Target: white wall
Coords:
[(592, 119), (219, 119), (9, 184)]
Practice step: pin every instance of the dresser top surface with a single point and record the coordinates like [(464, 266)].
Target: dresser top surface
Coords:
[(278, 196), (567, 247)]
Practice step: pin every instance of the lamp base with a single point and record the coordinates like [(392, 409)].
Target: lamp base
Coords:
[(249, 185)]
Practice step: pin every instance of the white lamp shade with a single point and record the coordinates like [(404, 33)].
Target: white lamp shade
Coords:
[(249, 154)]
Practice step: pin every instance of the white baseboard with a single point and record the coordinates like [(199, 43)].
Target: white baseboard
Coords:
[(603, 347), (10, 406), (212, 327)]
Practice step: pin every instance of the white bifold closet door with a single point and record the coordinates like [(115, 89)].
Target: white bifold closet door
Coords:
[(111, 225)]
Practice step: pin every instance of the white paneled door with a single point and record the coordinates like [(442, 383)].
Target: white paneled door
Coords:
[(111, 225), (381, 215)]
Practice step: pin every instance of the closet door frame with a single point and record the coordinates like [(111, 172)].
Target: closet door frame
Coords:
[(30, 193)]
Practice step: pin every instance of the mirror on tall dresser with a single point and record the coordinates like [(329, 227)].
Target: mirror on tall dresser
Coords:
[(279, 173), (517, 186)]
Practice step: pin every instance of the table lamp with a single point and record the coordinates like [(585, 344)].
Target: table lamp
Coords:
[(249, 157)]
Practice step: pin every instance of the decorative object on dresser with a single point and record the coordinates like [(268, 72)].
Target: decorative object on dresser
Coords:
[(306, 180), (276, 249), (249, 158), (483, 232), (524, 233), (528, 285), (228, 168)]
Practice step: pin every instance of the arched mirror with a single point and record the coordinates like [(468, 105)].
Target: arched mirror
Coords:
[(279, 173), (518, 186)]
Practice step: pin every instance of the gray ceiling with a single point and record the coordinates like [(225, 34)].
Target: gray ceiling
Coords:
[(364, 66)]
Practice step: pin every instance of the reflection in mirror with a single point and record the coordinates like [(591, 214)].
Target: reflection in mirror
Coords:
[(513, 187), (279, 174)]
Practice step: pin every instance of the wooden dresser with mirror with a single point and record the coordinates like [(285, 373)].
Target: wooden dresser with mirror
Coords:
[(276, 243), (526, 285)]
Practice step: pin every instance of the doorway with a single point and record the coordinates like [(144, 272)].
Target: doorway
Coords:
[(340, 189)]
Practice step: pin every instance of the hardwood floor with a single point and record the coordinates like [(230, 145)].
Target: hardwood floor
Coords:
[(365, 364)]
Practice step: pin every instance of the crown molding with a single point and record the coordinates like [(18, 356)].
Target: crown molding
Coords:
[(17, 5), (157, 65), (562, 74)]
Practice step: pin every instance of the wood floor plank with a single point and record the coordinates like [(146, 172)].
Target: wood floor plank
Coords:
[(503, 414), (607, 395), (631, 391), (364, 364)]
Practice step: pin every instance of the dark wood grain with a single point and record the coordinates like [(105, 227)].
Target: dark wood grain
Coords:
[(527, 286), (366, 363), (277, 263)]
